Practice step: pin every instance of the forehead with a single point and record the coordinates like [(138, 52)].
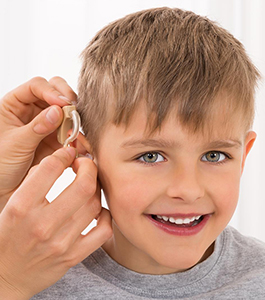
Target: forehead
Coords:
[(222, 125)]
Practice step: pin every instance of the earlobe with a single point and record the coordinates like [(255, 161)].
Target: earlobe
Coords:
[(249, 141)]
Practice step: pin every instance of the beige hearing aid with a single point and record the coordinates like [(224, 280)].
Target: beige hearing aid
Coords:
[(71, 120)]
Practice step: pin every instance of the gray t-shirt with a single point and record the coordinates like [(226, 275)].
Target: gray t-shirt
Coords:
[(235, 270)]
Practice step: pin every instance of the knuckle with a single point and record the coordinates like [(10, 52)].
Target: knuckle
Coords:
[(51, 90), (86, 186), (52, 163), (72, 260), (55, 79), (36, 80), (58, 248), (41, 232), (16, 211), (32, 170)]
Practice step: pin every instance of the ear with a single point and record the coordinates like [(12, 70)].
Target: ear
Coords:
[(82, 145), (249, 141)]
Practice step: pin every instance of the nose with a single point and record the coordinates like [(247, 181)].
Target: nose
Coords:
[(185, 183)]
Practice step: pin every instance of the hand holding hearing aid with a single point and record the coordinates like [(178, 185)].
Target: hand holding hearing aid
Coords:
[(40, 241), (29, 117)]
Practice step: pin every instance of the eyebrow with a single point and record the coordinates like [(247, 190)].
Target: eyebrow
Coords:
[(171, 144), (225, 144), (149, 143)]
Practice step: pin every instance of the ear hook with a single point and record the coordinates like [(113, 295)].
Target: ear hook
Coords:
[(71, 120)]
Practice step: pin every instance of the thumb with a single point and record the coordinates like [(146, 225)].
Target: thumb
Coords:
[(43, 124)]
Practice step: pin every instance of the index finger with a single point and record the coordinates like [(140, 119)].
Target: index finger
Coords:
[(37, 184), (37, 89)]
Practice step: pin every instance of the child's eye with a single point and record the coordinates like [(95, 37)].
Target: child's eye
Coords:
[(215, 157), (151, 157)]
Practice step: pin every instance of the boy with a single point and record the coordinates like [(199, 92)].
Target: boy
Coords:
[(166, 99)]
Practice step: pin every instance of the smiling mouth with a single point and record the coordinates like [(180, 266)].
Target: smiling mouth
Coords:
[(178, 222)]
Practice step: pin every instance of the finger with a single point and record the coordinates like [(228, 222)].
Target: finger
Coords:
[(97, 236), (62, 86), (34, 189), (77, 193), (37, 89), (47, 121), (31, 172), (78, 222), (46, 147), (41, 126), (70, 231)]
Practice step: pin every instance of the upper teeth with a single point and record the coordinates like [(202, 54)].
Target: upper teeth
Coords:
[(178, 220)]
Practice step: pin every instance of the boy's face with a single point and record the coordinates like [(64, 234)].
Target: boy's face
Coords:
[(172, 174)]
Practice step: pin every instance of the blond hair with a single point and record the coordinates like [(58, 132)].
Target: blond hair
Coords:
[(168, 58)]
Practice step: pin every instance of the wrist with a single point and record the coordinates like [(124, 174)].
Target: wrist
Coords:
[(7, 291)]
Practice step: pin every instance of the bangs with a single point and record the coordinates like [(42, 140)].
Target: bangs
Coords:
[(170, 59)]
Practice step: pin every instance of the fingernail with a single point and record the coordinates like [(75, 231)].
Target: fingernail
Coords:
[(65, 99), (53, 115)]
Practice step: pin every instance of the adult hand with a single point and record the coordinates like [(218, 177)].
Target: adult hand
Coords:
[(27, 123), (40, 241)]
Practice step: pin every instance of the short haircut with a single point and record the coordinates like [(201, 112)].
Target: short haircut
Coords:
[(169, 58)]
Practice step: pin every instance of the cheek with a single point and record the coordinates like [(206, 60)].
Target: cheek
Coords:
[(225, 193), (126, 191)]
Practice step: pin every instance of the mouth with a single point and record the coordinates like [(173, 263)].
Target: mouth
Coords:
[(179, 222), (184, 226)]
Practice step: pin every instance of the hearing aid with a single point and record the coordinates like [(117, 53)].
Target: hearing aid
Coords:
[(71, 120)]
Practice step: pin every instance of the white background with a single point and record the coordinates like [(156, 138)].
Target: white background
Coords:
[(45, 38)]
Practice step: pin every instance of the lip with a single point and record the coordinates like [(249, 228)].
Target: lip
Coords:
[(181, 231)]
